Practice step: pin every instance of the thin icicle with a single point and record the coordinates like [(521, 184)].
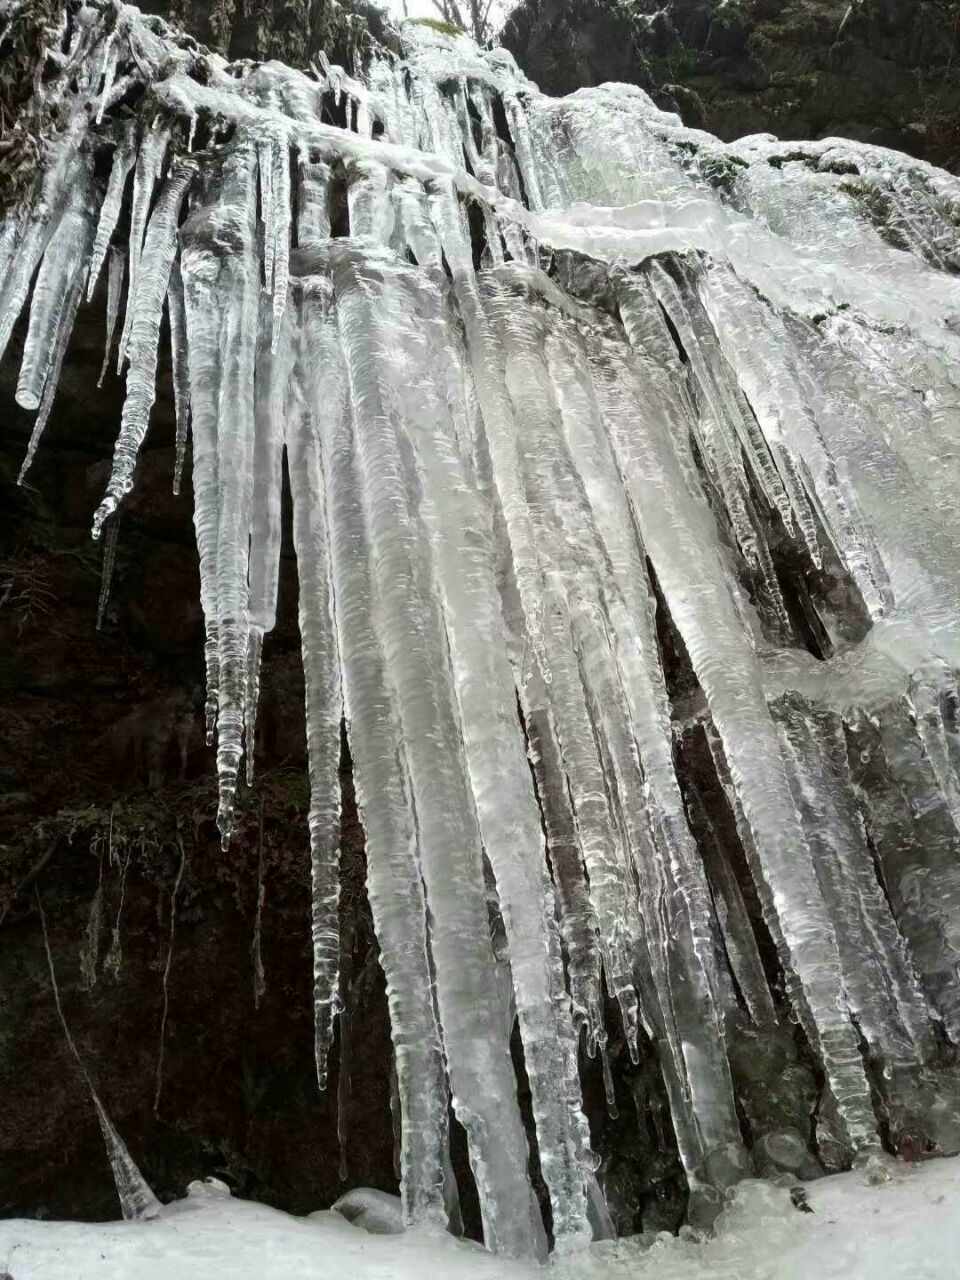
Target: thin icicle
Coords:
[(123, 161), (394, 882), (324, 706), (116, 270), (146, 174), (53, 376), (273, 404), (54, 303), (65, 176), (204, 321), (106, 572), (235, 424), (144, 308), (137, 1201), (176, 312)]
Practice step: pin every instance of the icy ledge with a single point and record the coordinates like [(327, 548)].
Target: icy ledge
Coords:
[(907, 1228)]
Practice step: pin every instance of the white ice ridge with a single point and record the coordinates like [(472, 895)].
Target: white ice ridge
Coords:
[(623, 465)]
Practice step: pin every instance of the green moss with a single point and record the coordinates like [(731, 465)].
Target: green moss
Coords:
[(290, 788), (436, 24), (727, 14)]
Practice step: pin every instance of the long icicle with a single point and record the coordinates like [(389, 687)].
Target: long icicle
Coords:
[(137, 1201)]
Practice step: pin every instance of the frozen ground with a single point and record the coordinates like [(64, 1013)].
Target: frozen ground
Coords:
[(907, 1228)]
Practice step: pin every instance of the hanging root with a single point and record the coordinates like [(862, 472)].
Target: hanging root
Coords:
[(259, 979), (166, 975)]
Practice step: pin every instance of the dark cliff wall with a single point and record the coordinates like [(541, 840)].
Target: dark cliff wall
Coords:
[(293, 31), (883, 71)]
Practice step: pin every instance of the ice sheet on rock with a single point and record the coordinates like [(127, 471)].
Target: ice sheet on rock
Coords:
[(679, 533), (879, 983)]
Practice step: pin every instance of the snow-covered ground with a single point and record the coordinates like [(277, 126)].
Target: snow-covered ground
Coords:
[(906, 1228)]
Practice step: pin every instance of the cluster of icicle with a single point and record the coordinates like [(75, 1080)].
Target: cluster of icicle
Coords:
[(541, 368)]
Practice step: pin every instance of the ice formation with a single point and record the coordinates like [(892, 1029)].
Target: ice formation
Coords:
[(602, 436)]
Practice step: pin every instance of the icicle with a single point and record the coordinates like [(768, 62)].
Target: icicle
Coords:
[(274, 164), (313, 213), (324, 707), (63, 182), (680, 539), (410, 628), (738, 936), (116, 270), (499, 425), (109, 71), (106, 572), (137, 1201), (272, 389), (90, 945), (176, 312), (204, 321), (918, 848), (578, 922), (394, 883), (881, 989), (521, 138), (123, 161), (64, 334), (505, 804), (235, 425), (608, 1087), (146, 174), (345, 1064), (54, 305), (939, 743), (145, 307)]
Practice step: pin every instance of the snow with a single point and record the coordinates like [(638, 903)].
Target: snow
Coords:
[(906, 1228)]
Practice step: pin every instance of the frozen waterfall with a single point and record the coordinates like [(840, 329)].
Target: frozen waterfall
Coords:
[(608, 444)]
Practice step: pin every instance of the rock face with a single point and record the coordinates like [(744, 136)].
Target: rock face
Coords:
[(294, 31), (881, 71)]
